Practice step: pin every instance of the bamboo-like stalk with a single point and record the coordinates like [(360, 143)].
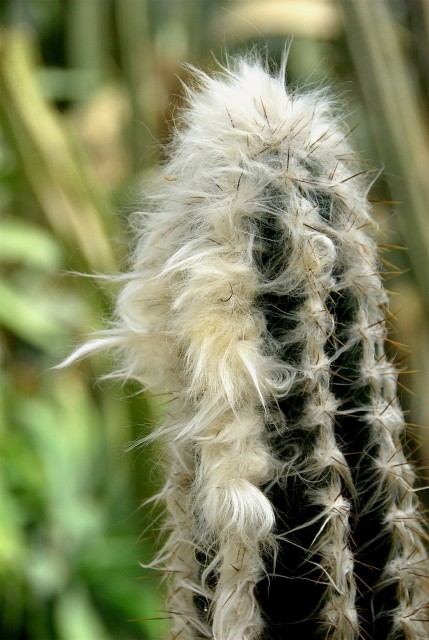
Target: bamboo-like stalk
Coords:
[(397, 121), (57, 176), (139, 73)]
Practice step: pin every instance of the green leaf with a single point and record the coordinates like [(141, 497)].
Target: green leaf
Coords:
[(77, 619), (22, 316), (29, 245)]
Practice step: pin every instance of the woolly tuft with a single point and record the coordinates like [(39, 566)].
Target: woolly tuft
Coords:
[(254, 298)]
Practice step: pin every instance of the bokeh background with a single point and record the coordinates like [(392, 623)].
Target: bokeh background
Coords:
[(88, 92)]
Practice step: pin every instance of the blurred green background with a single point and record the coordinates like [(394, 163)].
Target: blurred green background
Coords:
[(88, 90)]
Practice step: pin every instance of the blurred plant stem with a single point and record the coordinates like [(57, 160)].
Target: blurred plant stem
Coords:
[(57, 173), (137, 61), (87, 35), (397, 122)]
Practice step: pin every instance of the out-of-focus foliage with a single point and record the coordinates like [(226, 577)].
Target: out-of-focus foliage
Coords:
[(85, 89)]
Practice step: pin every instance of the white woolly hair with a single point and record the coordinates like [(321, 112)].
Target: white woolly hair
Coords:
[(260, 225)]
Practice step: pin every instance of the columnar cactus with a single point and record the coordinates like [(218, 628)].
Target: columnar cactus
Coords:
[(255, 304)]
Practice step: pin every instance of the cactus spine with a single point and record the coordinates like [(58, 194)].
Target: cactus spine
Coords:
[(254, 299)]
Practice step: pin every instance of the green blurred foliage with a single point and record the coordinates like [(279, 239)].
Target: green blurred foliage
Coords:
[(86, 94)]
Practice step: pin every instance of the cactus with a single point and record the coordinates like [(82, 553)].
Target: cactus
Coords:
[(255, 303)]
